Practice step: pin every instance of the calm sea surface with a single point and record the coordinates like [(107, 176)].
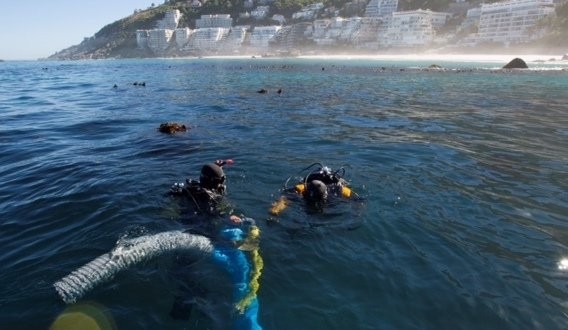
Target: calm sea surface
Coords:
[(464, 173)]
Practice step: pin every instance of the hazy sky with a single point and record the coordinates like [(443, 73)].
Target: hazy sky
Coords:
[(32, 29)]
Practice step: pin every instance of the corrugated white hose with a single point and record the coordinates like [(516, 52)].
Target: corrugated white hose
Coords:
[(129, 253)]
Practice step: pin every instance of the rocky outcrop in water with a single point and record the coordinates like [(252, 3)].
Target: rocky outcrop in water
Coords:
[(516, 63), (171, 128)]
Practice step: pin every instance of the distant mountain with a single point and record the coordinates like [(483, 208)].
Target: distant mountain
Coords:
[(118, 39)]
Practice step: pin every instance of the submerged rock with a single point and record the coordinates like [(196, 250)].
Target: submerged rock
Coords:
[(516, 63), (171, 128), (564, 57)]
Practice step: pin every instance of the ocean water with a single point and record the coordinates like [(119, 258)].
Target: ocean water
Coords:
[(463, 171)]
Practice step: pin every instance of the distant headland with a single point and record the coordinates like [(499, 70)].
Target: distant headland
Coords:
[(282, 28)]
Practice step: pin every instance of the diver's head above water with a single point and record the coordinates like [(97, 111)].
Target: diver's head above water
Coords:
[(316, 192), (213, 178)]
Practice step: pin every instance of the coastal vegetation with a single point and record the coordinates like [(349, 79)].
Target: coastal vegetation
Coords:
[(117, 39)]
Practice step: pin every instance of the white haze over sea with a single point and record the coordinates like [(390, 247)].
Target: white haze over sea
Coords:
[(535, 62), (445, 57)]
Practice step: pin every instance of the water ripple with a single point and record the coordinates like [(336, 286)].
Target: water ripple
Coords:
[(462, 171)]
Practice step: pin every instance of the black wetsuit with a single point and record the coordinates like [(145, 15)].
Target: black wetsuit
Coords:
[(206, 201), (209, 207)]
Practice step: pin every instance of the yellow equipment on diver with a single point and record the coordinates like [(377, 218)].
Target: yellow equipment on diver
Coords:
[(346, 192), (282, 203), (279, 206)]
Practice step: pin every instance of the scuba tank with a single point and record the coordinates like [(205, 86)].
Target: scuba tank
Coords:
[(332, 179)]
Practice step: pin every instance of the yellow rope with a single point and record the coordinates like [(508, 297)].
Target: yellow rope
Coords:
[(257, 264)]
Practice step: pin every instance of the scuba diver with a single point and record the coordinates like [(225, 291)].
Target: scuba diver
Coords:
[(206, 194), (232, 236), (316, 188)]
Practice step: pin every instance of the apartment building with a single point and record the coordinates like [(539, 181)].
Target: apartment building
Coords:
[(159, 39), (214, 21), (412, 28), (381, 8), (367, 35), (142, 38), (262, 35), (208, 39), (511, 21), (183, 36), (236, 37)]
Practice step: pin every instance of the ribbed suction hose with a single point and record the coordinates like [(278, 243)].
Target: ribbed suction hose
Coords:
[(129, 253)]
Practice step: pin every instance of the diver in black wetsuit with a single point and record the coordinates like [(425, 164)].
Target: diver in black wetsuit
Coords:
[(316, 188), (214, 220), (207, 194), (206, 199)]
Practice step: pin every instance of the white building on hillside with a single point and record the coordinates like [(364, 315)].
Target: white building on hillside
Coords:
[(183, 36), (208, 39), (368, 33), (510, 21), (350, 28), (473, 15), (381, 8), (159, 39), (327, 32), (471, 20), (236, 37), (412, 28), (262, 35), (142, 38), (214, 21)]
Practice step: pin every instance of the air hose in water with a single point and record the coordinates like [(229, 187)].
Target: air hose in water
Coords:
[(244, 274), (132, 252)]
